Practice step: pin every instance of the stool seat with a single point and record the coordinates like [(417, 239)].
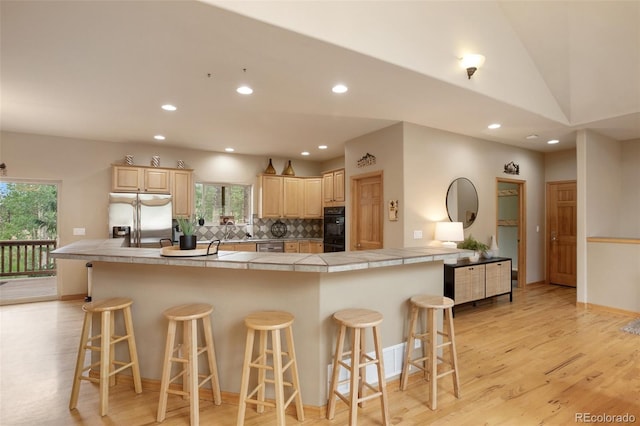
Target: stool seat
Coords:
[(269, 324), (269, 320), (434, 302), (189, 311), (186, 355), (108, 365), (358, 320), (112, 304)]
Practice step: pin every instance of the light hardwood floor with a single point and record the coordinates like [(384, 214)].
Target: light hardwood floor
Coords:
[(538, 360)]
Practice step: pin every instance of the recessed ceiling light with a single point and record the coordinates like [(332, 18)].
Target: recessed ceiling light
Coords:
[(244, 90), (553, 141), (229, 149), (532, 136), (159, 137), (169, 107), (339, 88), (322, 147), (304, 153), (494, 126)]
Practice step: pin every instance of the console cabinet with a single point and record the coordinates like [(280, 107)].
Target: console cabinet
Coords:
[(467, 281)]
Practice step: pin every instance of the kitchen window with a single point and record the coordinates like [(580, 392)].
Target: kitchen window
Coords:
[(217, 201)]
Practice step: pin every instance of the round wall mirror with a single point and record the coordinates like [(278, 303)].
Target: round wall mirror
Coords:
[(462, 202)]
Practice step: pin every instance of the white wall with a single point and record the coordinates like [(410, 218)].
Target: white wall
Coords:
[(387, 146), (83, 169), (560, 166), (630, 195), (419, 163)]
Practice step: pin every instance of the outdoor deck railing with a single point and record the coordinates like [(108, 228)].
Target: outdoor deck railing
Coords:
[(27, 257)]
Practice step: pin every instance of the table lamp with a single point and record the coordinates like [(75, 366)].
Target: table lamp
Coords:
[(448, 232)]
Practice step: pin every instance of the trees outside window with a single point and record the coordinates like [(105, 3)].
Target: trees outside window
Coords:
[(214, 200)]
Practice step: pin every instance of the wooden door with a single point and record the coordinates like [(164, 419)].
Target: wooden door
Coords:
[(367, 212), (561, 232)]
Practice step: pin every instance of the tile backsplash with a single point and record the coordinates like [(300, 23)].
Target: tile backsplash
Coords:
[(261, 228)]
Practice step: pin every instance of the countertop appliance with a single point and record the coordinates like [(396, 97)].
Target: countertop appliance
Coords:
[(334, 229), (273, 247), (147, 216)]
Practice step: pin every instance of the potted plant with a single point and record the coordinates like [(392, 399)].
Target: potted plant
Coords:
[(188, 238), (471, 243)]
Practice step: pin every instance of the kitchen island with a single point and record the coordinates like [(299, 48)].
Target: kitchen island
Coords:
[(310, 286)]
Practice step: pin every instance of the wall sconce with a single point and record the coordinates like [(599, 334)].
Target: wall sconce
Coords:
[(448, 232), (471, 63)]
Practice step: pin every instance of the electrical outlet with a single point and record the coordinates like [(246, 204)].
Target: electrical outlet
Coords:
[(417, 343), (417, 235)]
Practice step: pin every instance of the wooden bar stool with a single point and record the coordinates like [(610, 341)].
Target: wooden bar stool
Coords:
[(107, 309), (273, 322), (428, 363), (358, 320), (187, 355)]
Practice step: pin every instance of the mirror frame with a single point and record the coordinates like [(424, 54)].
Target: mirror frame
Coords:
[(466, 222)]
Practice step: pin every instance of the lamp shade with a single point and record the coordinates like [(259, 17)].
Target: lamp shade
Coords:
[(449, 232)]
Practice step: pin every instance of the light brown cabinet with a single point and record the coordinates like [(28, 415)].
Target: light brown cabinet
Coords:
[(182, 192), (307, 246), (470, 281), (238, 247), (177, 182), (291, 247), (290, 197), (312, 205), (333, 188), (271, 196)]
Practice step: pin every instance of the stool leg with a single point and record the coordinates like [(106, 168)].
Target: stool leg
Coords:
[(295, 379), (166, 370), (112, 351), (84, 337), (354, 388), (448, 313), (409, 347), (381, 379), (246, 369), (193, 372), (278, 376), (133, 351), (186, 347), (211, 357), (331, 406), (362, 373), (105, 361), (262, 371), (433, 359)]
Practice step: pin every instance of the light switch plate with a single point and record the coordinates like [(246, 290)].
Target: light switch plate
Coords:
[(417, 235), (78, 231)]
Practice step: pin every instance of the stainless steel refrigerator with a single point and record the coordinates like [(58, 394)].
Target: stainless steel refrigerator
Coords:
[(143, 219)]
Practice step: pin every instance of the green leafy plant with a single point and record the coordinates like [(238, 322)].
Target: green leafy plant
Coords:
[(471, 243), (187, 225)]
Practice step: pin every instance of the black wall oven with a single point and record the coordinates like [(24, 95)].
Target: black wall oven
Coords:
[(334, 229)]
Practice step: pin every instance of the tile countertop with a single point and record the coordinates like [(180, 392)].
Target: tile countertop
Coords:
[(110, 250)]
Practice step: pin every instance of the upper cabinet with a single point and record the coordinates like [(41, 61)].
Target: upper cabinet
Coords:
[(290, 197), (140, 179), (177, 182), (333, 188), (182, 191)]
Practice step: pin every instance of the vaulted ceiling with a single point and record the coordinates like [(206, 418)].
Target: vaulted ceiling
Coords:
[(100, 70)]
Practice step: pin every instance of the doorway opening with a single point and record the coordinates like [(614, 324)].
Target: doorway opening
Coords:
[(511, 226), (29, 232), (367, 212)]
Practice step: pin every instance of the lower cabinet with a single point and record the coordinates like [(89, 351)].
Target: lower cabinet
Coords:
[(291, 247), (307, 246), (470, 281), (238, 247)]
